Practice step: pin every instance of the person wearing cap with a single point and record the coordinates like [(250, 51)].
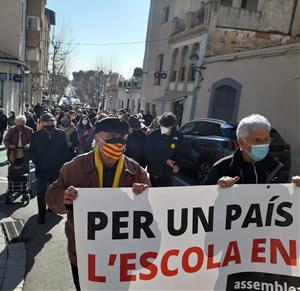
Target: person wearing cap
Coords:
[(48, 151), (163, 151), (104, 167), (136, 141)]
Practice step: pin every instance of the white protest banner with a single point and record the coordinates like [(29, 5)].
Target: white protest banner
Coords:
[(189, 238)]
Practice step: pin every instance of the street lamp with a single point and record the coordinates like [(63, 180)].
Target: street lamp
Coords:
[(194, 61)]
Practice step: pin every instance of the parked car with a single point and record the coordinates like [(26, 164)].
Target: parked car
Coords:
[(208, 140)]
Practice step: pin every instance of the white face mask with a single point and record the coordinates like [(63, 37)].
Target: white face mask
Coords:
[(120, 116), (164, 130), (84, 122)]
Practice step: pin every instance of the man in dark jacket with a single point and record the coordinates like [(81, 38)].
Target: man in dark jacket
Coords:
[(163, 151), (106, 166), (3, 124), (48, 151), (251, 163), (30, 121), (148, 118), (136, 140), (38, 109)]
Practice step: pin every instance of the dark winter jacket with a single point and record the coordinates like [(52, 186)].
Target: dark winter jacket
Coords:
[(264, 172), (135, 146), (48, 153), (3, 121), (159, 148), (31, 123)]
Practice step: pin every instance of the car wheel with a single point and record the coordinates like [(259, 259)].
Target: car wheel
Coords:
[(203, 171)]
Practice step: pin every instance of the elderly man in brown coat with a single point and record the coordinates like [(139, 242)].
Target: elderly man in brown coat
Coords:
[(105, 166)]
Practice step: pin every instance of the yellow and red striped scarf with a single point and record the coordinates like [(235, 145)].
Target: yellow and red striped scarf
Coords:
[(99, 167)]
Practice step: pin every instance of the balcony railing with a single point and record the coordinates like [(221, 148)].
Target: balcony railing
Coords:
[(198, 17), (233, 17)]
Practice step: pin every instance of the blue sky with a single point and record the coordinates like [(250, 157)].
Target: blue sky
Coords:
[(104, 21)]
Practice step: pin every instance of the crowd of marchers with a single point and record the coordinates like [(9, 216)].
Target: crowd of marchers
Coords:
[(79, 147)]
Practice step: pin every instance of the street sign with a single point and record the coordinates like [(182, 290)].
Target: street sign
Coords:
[(18, 78)]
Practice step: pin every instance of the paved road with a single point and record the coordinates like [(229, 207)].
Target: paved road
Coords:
[(47, 265)]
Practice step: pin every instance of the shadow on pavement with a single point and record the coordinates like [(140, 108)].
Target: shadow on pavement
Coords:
[(34, 235)]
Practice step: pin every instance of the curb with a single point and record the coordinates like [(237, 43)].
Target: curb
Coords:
[(6, 162)]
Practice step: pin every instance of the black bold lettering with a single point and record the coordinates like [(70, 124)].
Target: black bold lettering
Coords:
[(254, 209), (93, 226), (207, 224), (233, 212), (184, 222), (118, 224), (288, 218), (138, 225)]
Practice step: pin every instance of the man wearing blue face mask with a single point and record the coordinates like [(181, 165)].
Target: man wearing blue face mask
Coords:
[(250, 164)]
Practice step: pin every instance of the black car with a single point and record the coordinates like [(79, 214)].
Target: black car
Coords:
[(208, 140)]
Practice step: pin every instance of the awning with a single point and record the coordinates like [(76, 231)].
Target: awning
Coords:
[(51, 14), (169, 98), (7, 58)]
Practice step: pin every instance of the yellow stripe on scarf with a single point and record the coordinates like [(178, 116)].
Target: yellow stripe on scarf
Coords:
[(99, 167)]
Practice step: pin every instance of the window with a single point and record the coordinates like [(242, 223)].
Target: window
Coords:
[(201, 128), (192, 73), (1, 93), (174, 66), (188, 128), (226, 3), (22, 17), (33, 23), (185, 63), (159, 66), (249, 4), (198, 17), (165, 14)]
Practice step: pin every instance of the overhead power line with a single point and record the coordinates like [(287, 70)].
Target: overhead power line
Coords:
[(112, 43)]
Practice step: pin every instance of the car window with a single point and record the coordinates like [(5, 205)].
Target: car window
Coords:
[(276, 138), (187, 128), (203, 128), (229, 132)]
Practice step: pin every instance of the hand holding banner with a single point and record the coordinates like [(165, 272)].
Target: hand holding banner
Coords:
[(189, 238)]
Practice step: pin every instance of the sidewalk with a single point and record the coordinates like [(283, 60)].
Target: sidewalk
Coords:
[(12, 253), (12, 257)]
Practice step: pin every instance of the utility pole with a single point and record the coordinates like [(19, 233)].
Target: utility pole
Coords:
[(56, 47)]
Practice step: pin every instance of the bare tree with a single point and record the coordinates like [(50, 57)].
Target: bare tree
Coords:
[(60, 49)]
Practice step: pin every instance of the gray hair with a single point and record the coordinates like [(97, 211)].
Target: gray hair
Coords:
[(21, 118), (253, 122)]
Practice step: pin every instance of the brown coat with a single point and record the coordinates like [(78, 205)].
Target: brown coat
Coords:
[(12, 138), (81, 172)]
